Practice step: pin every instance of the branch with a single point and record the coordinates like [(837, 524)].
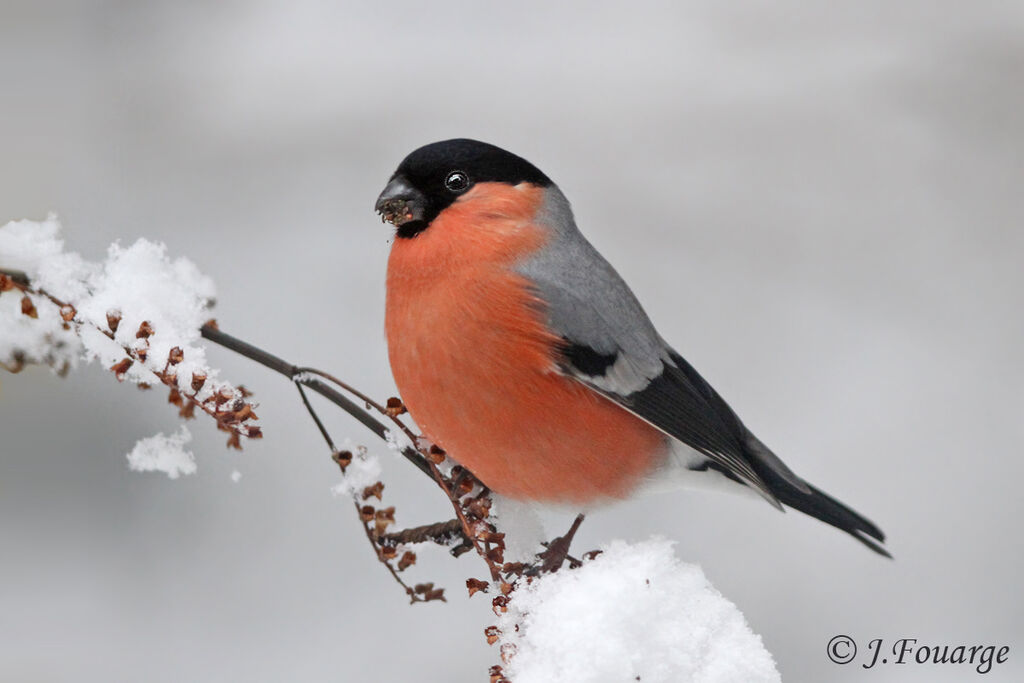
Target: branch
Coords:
[(301, 376), (470, 499), (225, 404), (15, 275), (441, 533), (471, 514)]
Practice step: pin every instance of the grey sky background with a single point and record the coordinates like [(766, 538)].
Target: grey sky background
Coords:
[(819, 204)]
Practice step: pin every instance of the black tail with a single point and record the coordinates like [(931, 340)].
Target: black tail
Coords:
[(782, 482), (793, 491), (822, 506)]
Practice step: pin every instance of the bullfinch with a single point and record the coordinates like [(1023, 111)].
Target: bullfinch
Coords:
[(521, 352)]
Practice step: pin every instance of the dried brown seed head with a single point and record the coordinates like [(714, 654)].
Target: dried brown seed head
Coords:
[(394, 407), (513, 568), (113, 319), (408, 559), (476, 586), (145, 330), (374, 491), (244, 413), (436, 594), (500, 604), (28, 308), (343, 458), (479, 507), (465, 486), (383, 518), (120, 368)]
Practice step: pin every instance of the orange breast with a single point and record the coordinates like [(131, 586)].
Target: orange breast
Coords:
[(475, 364)]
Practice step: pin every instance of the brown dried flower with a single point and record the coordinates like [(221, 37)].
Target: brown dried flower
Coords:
[(28, 308)]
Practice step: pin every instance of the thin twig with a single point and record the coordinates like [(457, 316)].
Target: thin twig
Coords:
[(440, 533), (295, 373), (413, 597), (316, 418), (366, 399), (371, 536), (18, 276), (470, 532)]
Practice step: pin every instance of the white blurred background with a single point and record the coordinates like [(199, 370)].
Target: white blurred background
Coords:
[(819, 204)]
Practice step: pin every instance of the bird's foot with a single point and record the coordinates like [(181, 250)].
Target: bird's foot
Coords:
[(557, 551)]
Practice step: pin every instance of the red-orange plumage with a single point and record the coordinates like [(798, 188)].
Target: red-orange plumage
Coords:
[(475, 363)]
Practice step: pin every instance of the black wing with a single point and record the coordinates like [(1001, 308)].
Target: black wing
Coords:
[(684, 406)]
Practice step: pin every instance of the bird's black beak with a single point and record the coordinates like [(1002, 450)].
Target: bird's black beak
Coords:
[(401, 203)]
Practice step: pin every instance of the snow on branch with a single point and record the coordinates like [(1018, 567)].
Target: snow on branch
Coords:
[(138, 313), (627, 613)]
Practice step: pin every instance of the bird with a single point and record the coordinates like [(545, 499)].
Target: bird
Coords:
[(522, 353)]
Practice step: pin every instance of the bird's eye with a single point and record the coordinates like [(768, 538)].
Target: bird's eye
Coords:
[(457, 181)]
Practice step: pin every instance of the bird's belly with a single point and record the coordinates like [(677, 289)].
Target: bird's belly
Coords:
[(480, 381)]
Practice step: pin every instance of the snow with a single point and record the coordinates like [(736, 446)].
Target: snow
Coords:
[(24, 245), (36, 340), (364, 470), (635, 613), (142, 284), (236, 476), (38, 249), (522, 525), (136, 284), (139, 283), (165, 454)]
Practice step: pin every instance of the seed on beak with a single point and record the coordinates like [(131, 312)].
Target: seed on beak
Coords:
[(396, 211)]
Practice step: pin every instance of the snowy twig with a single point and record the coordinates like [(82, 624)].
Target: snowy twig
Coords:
[(232, 413), (222, 402), (469, 498)]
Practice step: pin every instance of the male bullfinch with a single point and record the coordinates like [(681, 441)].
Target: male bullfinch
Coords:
[(519, 350)]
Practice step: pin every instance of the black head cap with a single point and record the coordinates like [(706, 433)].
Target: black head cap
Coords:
[(435, 175)]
